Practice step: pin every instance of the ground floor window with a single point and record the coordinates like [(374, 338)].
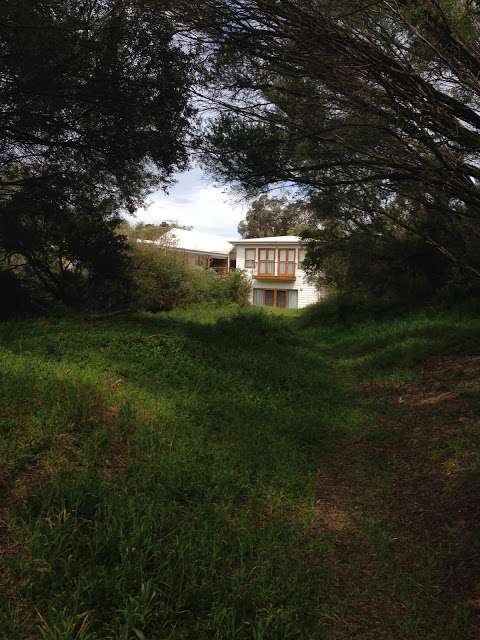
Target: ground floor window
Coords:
[(286, 298)]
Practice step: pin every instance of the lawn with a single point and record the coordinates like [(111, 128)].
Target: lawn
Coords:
[(219, 473)]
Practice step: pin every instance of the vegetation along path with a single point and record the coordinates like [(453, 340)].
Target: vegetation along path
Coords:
[(225, 473)]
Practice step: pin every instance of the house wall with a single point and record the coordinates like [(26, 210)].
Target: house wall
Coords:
[(194, 259), (307, 293)]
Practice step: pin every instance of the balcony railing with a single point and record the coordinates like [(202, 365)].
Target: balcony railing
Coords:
[(274, 276)]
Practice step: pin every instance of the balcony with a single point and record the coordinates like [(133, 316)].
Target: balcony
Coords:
[(285, 277)]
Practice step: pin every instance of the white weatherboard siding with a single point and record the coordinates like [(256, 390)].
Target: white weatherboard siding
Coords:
[(307, 293)]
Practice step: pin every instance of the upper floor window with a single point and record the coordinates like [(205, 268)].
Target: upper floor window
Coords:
[(301, 257), (266, 261), (286, 262), (250, 258)]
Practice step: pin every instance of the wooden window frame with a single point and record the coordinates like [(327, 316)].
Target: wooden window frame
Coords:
[(276, 275), (271, 274), (301, 261), (286, 273), (275, 297), (255, 254)]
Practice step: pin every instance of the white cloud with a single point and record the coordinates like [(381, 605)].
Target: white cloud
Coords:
[(192, 201)]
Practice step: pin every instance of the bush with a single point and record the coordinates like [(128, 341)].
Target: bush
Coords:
[(344, 308), (162, 281), (384, 261), (15, 298), (235, 287), (22, 295)]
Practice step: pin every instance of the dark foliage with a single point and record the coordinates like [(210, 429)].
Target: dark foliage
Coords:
[(94, 100), (370, 109), (162, 280), (268, 217)]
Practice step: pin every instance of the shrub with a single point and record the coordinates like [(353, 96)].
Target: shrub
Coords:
[(382, 260), (23, 295), (15, 298), (162, 281), (235, 287), (344, 308)]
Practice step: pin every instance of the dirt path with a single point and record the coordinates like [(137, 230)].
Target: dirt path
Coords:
[(403, 503)]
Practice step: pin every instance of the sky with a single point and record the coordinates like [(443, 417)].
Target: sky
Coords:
[(194, 200)]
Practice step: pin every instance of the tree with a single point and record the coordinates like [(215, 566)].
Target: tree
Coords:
[(149, 231), (383, 261), (275, 217), (371, 106), (95, 111)]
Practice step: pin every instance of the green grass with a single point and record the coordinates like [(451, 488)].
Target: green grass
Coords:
[(161, 476)]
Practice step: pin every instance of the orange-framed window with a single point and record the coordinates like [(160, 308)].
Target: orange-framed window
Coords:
[(266, 261), (301, 257), (250, 258), (285, 298), (282, 298), (286, 262)]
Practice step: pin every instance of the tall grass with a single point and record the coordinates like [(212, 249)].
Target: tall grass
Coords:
[(161, 475), (161, 472)]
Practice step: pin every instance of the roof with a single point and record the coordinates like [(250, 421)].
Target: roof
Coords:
[(271, 240), (196, 241)]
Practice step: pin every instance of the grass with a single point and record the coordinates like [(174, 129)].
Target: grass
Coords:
[(218, 473)]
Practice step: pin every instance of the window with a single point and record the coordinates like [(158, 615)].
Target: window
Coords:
[(266, 261), (284, 298), (301, 257), (292, 299), (269, 297), (286, 262), (250, 258), (264, 297)]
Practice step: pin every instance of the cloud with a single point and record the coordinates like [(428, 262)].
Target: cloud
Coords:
[(195, 202), (182, 200)]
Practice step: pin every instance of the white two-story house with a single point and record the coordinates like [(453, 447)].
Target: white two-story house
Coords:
[(275, 268)]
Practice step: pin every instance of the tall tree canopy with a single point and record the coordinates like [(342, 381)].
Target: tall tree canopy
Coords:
[(371, 108), (94, 107), (268, 217)]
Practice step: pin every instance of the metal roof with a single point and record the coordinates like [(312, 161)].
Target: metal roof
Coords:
[(271, 240), (196, 241)]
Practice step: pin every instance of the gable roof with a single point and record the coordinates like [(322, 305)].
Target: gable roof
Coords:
[(196, 241)]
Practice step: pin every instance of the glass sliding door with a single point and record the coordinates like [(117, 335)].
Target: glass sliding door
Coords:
[(292, 299), (269, 297), (264, 297), (282, 298)]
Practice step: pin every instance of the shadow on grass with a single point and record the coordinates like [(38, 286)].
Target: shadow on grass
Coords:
[(221, 425), (207, 523)]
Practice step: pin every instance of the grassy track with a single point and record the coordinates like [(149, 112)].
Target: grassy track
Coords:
[(229, 474)]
